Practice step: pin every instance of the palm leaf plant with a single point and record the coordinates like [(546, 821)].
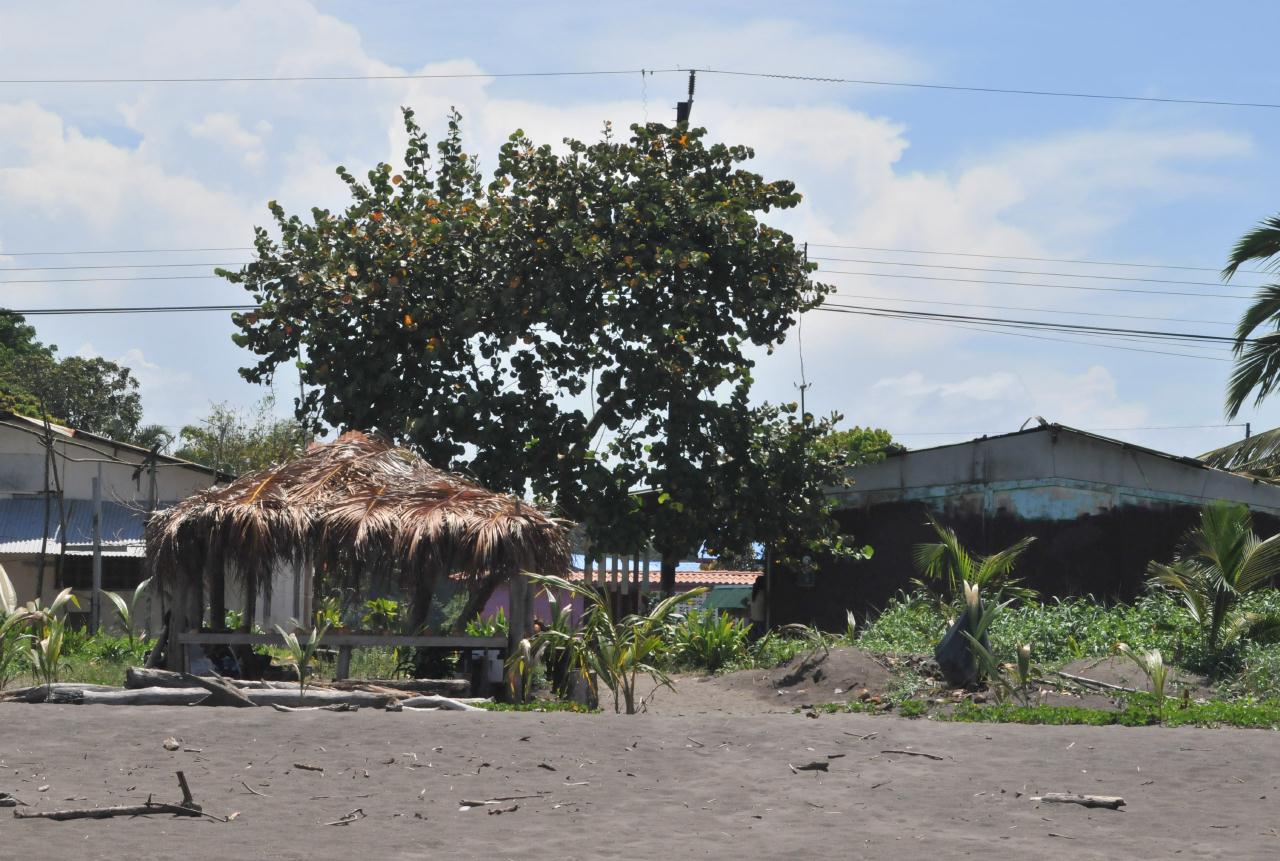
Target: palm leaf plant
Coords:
[(126, 609), (1152, 664), (13, 630), (1222, 560), (617, 653), (1257, 345), (950, 564), (301, 653), (50, 627)]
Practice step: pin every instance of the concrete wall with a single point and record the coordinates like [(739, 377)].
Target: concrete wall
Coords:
[(1099, 511)]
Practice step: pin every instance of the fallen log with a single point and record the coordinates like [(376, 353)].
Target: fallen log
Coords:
[(438, 703), (223, 692), (1112, 802), (194, 696), (38, 693)]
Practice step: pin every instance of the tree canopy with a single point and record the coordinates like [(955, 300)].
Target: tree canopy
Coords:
[(90, 394), (241, 441), (576, 325)]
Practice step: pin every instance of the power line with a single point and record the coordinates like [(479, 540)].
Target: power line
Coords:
[(1033, 259), (116, 266), (139, 309), (991, 282), (978, 327), (111, 278), (4, 253), (1073, 327), (1037, 310), (265, 79), (1032, 272), (1007, 91)]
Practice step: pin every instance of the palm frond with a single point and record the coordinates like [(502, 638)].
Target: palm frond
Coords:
[(1256, 371), (1258, 455), (1262, 243)]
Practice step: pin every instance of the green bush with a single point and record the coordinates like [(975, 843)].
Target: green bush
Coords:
[(708, 640)]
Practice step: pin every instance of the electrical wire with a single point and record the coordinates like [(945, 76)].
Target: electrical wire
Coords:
[(264, 79), (1089, 275), (992, 282), (1006, 91), (1076, 260), (4, 253), (1037, 310), (117, 266)]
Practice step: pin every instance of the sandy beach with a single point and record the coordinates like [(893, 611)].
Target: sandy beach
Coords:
[(715, 785)]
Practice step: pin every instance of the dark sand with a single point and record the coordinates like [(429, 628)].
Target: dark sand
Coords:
[(711, 785)]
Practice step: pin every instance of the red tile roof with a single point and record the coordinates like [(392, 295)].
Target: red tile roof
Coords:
[(689, 579)]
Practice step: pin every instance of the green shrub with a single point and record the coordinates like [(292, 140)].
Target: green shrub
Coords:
[(708, 640)]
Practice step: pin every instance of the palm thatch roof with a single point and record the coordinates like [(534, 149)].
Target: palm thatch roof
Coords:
[(1257, 456), (354, 505)]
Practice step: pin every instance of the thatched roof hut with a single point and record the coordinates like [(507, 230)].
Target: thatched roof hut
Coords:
[(353, 507)]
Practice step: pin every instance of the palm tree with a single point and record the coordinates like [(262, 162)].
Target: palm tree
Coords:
[(1222, 561), (949, 562), (1257, 368)]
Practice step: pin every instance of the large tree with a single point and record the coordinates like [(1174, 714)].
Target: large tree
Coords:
[(93, 395), (577, 325), (241, 441)]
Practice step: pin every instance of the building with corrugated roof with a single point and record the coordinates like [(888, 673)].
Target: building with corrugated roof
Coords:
[(1099, 508)]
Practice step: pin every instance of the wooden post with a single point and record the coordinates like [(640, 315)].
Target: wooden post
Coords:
[(648, 556), (217, 596), (344, 662), (518, 592), (586, 568), (627, 568), (174, 659), (95, 601)]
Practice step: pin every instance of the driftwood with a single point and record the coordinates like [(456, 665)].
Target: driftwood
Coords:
[(186, 807), (195, 696), (438, 703), (1112, 802), (38, 693), (916, 753), (1094, 683), (223, 692), (446, 687)]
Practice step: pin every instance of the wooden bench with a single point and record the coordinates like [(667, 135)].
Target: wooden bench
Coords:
[(344, 643)]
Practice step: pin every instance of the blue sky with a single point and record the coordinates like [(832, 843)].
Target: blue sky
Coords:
[(131, 166)]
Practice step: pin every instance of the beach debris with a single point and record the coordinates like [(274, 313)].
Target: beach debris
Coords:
[(254, 791), (500, 810), (816, 765), (465, 804), (186, 807), (7, 800), (171, 743), (915, 753), (427, 701), (1111, 802), (308, 767), (348, 818)]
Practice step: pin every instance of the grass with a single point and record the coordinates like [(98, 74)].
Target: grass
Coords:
[(1139, 711), (539, 706)]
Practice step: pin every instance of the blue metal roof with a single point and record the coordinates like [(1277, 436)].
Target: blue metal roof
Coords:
[(22, 526)]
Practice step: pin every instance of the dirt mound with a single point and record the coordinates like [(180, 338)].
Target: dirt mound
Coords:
[(1121, 671), (818, 677)]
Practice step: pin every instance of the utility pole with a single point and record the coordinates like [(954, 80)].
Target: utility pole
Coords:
[(804, 382), (96, 601)]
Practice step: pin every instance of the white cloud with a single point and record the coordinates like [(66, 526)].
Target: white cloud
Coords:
[(225, 129)]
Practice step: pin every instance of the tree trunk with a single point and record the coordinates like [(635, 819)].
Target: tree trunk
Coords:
[(668, 583)]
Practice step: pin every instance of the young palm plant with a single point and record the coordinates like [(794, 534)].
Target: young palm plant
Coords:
[(127, 609), (1153, 667), (947, 562), (1222, 561), (50, 629), (302, 653), (13, 630), (617, 653)]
